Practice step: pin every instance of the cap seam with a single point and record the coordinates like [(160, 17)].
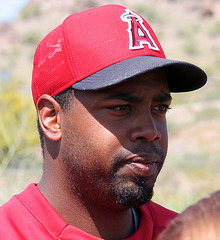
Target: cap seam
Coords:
[(68, 53)]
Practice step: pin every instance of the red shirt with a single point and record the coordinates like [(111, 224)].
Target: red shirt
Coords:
[(29, 215)]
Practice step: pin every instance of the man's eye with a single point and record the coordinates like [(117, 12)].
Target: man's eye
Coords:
[(120, 108), (162, 108)]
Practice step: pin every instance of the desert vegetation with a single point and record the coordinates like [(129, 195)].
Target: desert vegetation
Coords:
[(188, 31)]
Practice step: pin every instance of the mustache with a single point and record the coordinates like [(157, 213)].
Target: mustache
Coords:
[(139, 153)]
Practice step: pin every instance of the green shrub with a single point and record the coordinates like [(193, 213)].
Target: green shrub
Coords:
[(32, 38), (150, 13), (214, 29), (17, 124), (31, 10)]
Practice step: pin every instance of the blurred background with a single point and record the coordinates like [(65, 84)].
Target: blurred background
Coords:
[(188, 30)]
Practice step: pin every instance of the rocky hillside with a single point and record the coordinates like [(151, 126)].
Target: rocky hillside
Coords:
[(188, 31)]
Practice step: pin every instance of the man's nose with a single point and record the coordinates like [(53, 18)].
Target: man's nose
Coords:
[(145, 129)]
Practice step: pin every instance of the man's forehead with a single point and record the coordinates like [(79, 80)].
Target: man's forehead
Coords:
[(160, 96), (127, 93)]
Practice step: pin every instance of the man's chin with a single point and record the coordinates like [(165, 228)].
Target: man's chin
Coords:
[(134, 196)]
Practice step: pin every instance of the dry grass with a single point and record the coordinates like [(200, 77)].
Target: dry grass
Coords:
[(192, 166)]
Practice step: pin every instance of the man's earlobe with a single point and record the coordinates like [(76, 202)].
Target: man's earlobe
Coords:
[(49, 114)]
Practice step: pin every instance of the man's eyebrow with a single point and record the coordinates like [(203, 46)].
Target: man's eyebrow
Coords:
[(124, 96), (163, 97)]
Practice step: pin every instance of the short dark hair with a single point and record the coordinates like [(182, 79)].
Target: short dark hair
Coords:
[(63, 99)]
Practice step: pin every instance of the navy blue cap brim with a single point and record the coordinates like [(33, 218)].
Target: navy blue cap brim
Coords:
[(181, 76)]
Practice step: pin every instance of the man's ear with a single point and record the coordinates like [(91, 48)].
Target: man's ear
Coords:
[(49, 114)]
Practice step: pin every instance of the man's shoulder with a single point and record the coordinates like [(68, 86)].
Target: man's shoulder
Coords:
[(10, 214), (14, 216), (153, 220), (15, 203), (160, 215), (10, 207), (28, 215), (161, 212), (157, 216)]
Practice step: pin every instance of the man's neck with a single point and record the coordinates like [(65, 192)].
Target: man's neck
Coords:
[(108, 224)]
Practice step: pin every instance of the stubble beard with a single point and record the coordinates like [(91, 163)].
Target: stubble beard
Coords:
[(133, 196), (106, 190)]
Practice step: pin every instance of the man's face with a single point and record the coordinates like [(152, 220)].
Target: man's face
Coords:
[(114, 141)]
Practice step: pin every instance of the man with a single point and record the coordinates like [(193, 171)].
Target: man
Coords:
[(101, 86)]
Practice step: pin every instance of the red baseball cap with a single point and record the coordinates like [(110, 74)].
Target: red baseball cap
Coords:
[(103, 46)]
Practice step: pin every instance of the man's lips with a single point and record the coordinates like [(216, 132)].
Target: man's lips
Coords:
[(143, 165), (143, 170), (145, 158)]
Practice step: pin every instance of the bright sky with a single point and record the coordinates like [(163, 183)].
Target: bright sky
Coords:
[(10, 8)]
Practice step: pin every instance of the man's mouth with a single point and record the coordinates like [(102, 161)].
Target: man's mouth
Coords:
[(142, 165), (142, 169)]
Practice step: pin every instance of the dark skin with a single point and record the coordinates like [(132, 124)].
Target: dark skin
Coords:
[(109, 142)]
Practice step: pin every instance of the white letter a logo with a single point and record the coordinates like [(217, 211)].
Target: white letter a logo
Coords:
[(138, 34)]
